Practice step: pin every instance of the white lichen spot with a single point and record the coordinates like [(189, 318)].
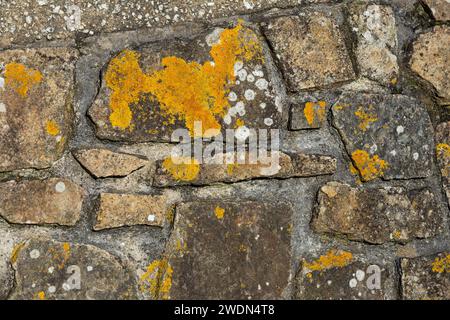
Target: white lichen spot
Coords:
[(42, 2), (240, 108), (262, 84), (353, 283), (60, 187), (2, 107), (238, 66), (262, 105), (73, 21), (415, 156), (279, 104), (34, 254), (51, 269), (227, 119), (393, 152), (250, 78), (258, 72), (2, 83), (232, 96), (151, 218), (89, 268), (52, 289), (360, 275), (248, 5), (400, 129), (268, 121), (249, 94), (66, 286), (242, 133), (242, 74), (259, 287), (373, 149)]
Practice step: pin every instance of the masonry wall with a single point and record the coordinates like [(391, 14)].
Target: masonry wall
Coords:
[(93, 205)]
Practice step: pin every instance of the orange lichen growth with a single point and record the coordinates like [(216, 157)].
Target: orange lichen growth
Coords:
[(441, 265), (333, 259), (240, 123), (52, 128), (158, 279), (41, 295), (368, 167), (182, 169), (187, 91), (219, 212), (315, 112), (443, 150), (16, 251), (365, 118), (20, 78)]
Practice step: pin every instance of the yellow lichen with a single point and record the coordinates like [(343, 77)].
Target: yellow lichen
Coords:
[(443, 150), (182, 169), (368, 167), (219, 212), (333, 259), (365, 118), (315, 112), (41, 295), (16, 251), (188, 91), (20, 78), (158, 279), (441, 265), (52, 128)]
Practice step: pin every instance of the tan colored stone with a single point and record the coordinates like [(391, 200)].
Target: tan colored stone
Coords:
[(118, 210), (439, 8), (310, 49), (36, 92), (104, 163), (431, 60), (51, 201)]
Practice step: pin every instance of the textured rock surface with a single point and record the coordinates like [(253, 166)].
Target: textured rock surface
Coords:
[(36, 92), (310, 49), (105, 163), (430, 60), (426, 278), (56, 270), (339, 275), (52, 201), (309, 115), (439, 8), (377, 215), (288, 166), (254, 242), (386, 136), (118, 210), (443, 154)]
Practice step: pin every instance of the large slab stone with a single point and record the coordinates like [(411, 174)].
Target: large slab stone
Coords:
[(218, 80), (439, 8), (52, 201), (430, 60), (172, 171), (426, 278), (443, 154), (51, 270), (36, 90), (376, 34), (377, 215), (310, 49), (386, 136), (228, 250), (338, 275)]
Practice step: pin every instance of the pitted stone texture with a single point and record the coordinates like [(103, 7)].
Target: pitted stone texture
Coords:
[(310, 49), (309, 115), (439, 8), (118, 210), (26, 21), (426, 278), (430, 60), (386, 136), (103, 163), (443, 154), (352, 279), (376, 33), (36, 90), (377, 215), (51, 201), (194, 69), (287, 166), (46, 269), (229, 250)]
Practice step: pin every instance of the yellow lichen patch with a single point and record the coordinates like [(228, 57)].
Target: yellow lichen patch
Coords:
[(365, 118), (21, 79), (16, 251), (182, 169), (441, 265), (239, 123), (368, 167), (157, 279), (333, 259), (188, 91), (315, 112), (219, 212), (52, 128), (443, 150), (41, 295)]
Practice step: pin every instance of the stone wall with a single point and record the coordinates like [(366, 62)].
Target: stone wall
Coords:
[(93, 207)]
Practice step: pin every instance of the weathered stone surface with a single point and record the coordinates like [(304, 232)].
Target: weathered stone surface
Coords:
[(443, 154), (228, 250), (26, 21), (104, 163), (51, 201), (310, 49), (218, 80), (339, 275), (376, 33), (47, 269), (430, 60), (426, 278), (36, 89), (377, 215), (309, 115), (388, 136), (169, 173), (439, 8), (118, 210)]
